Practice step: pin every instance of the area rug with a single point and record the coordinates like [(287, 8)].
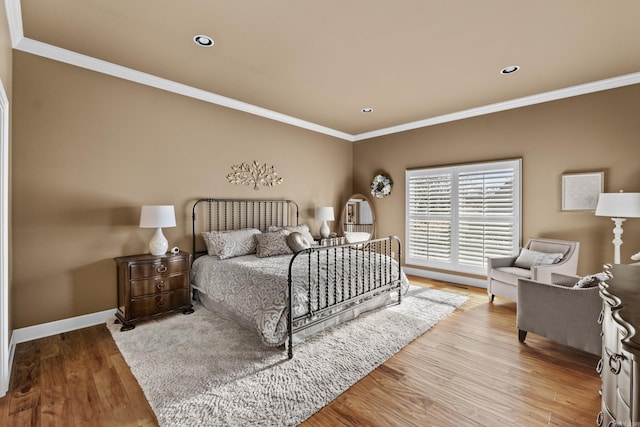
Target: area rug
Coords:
[(201, 369)]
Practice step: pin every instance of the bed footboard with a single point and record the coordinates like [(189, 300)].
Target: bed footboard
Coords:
[(334, 279)]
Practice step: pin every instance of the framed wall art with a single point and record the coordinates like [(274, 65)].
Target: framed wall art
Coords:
[(580, 191)]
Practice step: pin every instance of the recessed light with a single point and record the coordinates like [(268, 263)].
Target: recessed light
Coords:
[(367, 110), (510, 69), (204, 41)]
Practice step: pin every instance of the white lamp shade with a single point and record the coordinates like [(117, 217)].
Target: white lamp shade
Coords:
[(157, 217), (619, 205), (324, 213)]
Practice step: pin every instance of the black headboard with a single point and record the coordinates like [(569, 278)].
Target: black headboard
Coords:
[(235, 214)]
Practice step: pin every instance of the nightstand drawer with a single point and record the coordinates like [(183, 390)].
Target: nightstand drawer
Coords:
[(162, 266), (159, 284), (166, 301)]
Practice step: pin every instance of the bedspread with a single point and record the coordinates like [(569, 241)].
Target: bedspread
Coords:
[(257, 288)]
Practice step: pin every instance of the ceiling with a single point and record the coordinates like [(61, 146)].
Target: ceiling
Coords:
[(317, 64)]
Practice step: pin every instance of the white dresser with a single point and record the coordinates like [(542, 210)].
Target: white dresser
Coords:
[(619, 366)]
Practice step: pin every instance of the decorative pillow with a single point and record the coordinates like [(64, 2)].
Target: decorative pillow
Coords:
[(229, 244), (297, 242), (591, 280), (302, 229), (356, 236), (272, 243), (529, 258)]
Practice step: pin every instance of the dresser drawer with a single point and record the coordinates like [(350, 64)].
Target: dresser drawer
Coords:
[(159, 267), (159, 284), (624, 379), (155, 304), (610, 330)]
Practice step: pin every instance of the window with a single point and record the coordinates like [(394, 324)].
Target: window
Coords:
[(457, 216)]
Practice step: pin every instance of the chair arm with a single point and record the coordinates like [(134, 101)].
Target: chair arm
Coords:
[(548, 297), (542, 273), (564, 279), (497, 262)]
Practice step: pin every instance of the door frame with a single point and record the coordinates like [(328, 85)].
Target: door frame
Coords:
[(5, 369)]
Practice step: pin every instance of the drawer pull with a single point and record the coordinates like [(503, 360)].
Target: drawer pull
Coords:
[(615, 363), (600, 419), (161, 303), (599, 366), (162, 268), (160, 285), (601, 317)]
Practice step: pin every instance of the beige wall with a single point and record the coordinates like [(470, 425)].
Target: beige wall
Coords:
[(90, 149), (596, 132)]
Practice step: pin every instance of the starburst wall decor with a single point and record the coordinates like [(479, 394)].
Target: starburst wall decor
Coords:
[(255, 174)]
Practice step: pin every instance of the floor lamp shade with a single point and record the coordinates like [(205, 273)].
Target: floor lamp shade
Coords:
[(618, 207), (324, 214), (158, 217)]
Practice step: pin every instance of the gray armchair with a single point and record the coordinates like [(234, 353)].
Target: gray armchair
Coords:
[(503, 275), (560, 312)]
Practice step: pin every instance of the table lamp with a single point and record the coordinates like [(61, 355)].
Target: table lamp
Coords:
[(619, 207), (324, 214), (157, 217)]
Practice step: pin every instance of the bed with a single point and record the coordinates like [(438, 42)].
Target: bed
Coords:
[(253, 264)]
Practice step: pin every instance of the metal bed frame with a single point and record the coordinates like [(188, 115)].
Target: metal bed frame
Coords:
[(361, 271)]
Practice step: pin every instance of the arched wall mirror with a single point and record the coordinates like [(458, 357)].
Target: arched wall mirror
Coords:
[(358, 219)]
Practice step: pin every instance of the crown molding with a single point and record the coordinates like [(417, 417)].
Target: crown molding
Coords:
[(14, 19), (19, 42), (554, 95)]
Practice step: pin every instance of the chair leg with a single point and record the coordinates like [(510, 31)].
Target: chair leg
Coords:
[(522, 335)]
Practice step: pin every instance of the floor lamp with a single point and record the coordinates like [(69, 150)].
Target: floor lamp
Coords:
[(619, 207)]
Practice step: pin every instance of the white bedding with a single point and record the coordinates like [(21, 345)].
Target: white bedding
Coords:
[(255, 289)]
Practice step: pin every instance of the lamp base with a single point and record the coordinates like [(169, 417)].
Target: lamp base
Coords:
[(617, 238), (324, 230), (158, 245)]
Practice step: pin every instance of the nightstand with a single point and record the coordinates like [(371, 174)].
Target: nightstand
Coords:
[(150, 285)]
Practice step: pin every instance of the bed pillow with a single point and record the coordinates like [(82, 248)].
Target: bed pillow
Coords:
[(529, 258), (302, 229), (229, 244), (272, 243), (297, 242)]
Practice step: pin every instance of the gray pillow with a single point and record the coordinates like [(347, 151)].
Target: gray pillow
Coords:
[(297, 242), (229, 244), (591, 280), (529, 258), (272, 243), (302, 229)]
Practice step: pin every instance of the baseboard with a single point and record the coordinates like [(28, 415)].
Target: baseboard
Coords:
[(60, 326), (446, 277)]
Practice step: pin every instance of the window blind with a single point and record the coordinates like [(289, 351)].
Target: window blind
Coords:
[(458, 216)]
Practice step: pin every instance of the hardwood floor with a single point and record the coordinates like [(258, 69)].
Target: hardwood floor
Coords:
[(468, 370)]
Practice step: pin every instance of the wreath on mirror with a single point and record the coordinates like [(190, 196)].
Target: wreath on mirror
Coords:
[(381, 186)]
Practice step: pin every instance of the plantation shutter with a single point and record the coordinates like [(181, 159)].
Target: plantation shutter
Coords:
[(430, 217), (486, 207), (460, 215)]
